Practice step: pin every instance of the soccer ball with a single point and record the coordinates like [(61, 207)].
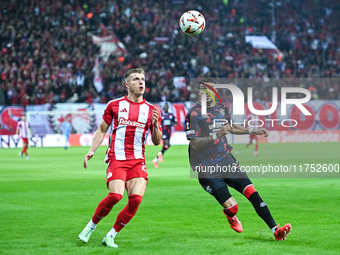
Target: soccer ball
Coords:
[(192, 23)]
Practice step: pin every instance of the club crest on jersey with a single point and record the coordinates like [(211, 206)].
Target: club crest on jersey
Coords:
[(123, 121)]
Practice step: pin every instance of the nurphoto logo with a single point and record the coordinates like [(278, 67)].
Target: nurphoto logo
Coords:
[(238, 103)]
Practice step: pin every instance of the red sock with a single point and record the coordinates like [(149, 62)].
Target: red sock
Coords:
[(249, 190), (256, 147), (128, 212), (231, 211), (105, 206), (24, 150)]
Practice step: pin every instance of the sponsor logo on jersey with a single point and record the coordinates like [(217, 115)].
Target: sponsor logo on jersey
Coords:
[(123, 121), (124, 110)]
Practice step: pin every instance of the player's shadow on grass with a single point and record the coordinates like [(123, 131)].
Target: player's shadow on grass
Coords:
[(261, 239), (262, 236)]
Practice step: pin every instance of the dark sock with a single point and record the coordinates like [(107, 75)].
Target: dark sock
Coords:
[(165, 147), (262, 209)]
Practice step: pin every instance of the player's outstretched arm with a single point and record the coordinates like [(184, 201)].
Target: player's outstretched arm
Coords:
[(238, 130), (96, 141), (203, 142), (156, 132), (261, 131)]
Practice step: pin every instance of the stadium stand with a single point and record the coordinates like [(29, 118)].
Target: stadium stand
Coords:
[(47, 53)]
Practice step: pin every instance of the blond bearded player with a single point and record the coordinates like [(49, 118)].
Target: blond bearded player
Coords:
[(130, 119)]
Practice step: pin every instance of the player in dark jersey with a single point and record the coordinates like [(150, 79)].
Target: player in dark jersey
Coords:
[(210, 155), (168, 120)]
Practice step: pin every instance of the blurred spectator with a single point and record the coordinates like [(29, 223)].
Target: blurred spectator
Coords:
[(48, 57)]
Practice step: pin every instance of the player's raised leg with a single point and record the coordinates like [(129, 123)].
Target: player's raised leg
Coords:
[(166, 146), (116, 190), (218, 188), (262, 210), (230, 209)]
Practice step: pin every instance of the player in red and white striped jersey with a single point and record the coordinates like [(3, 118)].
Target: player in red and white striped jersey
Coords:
[(23, 128), (130, 119), (252, 137), (130, 123)]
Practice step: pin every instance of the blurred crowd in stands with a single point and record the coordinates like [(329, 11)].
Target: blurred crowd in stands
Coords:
[(47, 55)]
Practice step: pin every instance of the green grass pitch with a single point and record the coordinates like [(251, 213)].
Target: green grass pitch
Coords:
[(47, 200)]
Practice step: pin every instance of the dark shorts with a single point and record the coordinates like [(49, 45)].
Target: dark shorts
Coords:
[(219, 187), (217, 184), (228, 167)]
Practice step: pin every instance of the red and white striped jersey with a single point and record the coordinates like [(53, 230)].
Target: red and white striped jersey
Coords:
[(130, 124), (23, 128)]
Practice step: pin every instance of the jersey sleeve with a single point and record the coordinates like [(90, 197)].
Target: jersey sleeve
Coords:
[(108, 114), (191, 125), (174, 120)]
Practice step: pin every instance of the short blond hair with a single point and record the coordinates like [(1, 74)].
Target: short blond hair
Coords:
[(134, 70)]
